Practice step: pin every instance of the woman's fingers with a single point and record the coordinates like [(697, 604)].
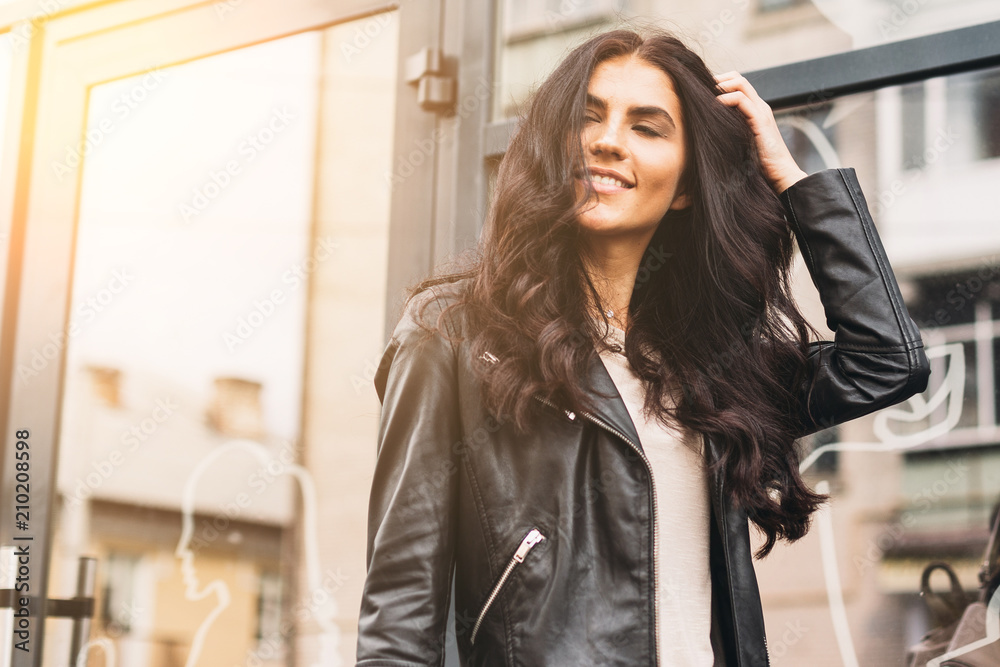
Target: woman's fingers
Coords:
[(740, 100), (733, 81), (738, 84), (727, 75), (776, 160)]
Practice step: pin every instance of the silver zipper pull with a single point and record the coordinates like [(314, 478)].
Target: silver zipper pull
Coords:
[(530, 540)]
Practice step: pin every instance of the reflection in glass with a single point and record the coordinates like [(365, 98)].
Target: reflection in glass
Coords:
[(183, 392), (809, 137)]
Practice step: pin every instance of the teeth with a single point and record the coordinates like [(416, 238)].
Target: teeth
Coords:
[(607, 180)]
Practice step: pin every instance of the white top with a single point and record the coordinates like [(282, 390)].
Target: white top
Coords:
[(684, 595)]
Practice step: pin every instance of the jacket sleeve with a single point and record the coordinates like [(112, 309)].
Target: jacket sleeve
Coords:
[(411, 526), (877, 357)]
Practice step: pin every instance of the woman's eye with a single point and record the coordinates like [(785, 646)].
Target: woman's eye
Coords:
[(643, 129), (591, 119)]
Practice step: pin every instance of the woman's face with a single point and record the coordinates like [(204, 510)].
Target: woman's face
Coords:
[(633, 142)]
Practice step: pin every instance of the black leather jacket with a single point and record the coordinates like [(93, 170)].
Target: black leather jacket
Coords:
[(552, 535)]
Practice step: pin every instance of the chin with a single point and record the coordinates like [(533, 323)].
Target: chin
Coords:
[(591, 226), (604, 226)]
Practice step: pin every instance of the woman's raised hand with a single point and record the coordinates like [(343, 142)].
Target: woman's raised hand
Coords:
[(779, 166)]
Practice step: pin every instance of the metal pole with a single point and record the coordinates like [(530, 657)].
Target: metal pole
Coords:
[(86, 582), (8, 567)]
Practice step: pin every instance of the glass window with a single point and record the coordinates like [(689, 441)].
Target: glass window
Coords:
[(227, 204), (186, 332), (974, 113), (931, 205), (946, 300), (914, 483), (525, 62), (533, 35)]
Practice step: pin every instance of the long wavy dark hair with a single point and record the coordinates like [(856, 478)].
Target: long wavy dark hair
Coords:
[(715, 319)]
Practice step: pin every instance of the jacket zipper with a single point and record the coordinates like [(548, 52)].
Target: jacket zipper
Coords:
[(656, 546), (533, 537)]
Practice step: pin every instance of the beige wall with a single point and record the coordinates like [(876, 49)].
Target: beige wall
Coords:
[(346, 305)]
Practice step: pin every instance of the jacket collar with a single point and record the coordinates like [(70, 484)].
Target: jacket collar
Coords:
[(600, 388), (608, 403)]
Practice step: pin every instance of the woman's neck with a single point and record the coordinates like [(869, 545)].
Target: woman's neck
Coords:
[(612, 265)]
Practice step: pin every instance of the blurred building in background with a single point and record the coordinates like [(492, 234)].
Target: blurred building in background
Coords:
[(208, 216)]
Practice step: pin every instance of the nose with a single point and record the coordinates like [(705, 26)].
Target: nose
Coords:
[(606, 140)]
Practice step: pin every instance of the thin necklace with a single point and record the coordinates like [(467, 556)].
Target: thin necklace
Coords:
[(610, 314)]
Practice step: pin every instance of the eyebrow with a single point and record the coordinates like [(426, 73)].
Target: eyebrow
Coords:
[(648, 110)]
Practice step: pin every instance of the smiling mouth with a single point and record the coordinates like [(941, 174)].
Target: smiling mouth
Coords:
[(605, 185), (602, 179)]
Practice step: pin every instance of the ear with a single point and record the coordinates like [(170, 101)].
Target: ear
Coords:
[(681, 201)]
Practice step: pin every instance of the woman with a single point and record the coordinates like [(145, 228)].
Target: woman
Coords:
[(581, 425)]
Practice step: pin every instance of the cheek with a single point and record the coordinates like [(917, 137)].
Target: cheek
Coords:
[(667, 175)]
